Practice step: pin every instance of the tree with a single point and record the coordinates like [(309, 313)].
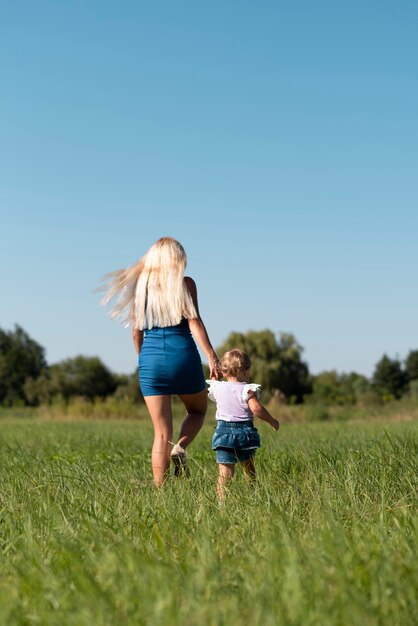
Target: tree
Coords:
[(325, 387), (389, 378), (128, 388), (332, 388), (81, 376), (38, 390), (411, 365), (276, 365), (20, 358)]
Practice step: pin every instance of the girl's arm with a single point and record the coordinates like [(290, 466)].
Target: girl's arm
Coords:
[(138, 338), (199, 332), (261, 412)]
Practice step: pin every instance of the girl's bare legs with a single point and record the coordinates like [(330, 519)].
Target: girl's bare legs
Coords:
[(226, 472), (248, 469), (159, 408), (196, 406)]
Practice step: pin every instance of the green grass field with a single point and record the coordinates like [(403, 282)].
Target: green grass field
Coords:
[(328, 536)]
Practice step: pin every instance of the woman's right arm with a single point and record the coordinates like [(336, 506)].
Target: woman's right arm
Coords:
[(199, 332), (138, 338)]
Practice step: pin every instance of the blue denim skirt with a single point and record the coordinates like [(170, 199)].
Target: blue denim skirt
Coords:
[(235, 441), (169, 362)]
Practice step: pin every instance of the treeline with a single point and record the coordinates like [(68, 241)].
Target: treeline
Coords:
[(27, 379), (277, 364)]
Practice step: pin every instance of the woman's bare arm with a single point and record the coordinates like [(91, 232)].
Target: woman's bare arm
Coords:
[(138, 338), (199, 332)]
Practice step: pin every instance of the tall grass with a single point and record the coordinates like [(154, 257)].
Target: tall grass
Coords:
[(77, 408), (327, 536)]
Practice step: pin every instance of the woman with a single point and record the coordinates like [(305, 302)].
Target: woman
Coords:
[(161, 304)]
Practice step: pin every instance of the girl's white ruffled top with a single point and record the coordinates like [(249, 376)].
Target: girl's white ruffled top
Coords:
[(232, 399)]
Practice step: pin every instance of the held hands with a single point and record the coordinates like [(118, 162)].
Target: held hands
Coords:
[(214, 371)]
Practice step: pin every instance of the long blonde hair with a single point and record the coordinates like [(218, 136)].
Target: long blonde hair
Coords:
[(153, 291)]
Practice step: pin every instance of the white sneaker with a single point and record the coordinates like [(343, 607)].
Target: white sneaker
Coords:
[(178, 456)]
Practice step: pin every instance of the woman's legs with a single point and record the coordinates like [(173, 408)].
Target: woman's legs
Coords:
[(226, 472), (196, 405), (159, 408)]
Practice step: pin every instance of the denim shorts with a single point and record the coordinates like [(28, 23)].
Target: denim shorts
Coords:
[(235, 441)]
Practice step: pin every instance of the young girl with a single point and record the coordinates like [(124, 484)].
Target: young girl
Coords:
[(237, 401)]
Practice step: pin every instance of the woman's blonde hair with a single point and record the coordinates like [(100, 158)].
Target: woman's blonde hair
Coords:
[(234, 361), (153, 291)]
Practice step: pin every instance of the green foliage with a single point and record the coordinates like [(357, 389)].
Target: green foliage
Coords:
[(389, 378), (276, 365), (38, 390), (338, 389), (20, 357), (413, 389), (369, 399), (327, 535), (81, 376), (411, 365), (25, 377), (127, 388)]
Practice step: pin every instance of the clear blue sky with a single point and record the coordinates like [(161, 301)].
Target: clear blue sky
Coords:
[(278, 141)]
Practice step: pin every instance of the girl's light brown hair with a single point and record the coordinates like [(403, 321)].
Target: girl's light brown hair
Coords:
[(233, 362)]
